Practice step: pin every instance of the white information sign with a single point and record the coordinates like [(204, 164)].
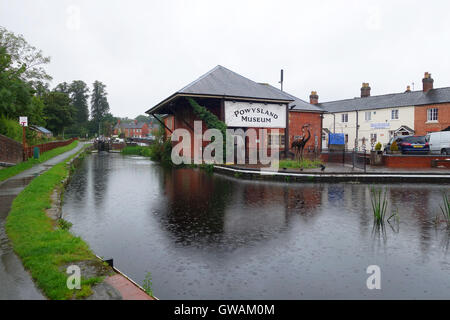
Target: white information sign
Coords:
[(23, 121), (256, 115)]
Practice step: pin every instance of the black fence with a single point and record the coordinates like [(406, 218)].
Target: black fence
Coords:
[(357, 159)]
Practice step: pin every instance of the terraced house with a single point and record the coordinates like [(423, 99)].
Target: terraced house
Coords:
[(371, 119), (133, 129)]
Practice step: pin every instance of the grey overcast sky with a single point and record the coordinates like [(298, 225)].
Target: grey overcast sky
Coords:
[(146, 50)]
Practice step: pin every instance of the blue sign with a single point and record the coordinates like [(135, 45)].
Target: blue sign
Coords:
[(381, 125), (336, 138)]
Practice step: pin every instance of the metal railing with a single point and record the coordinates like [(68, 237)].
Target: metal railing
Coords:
[(357, 159)]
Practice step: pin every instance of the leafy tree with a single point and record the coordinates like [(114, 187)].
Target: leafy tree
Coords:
[(142, 118), (58, 111), (79, 93), (15, 94), (108, 123), (26, 59), (63, 87), (99, 103)]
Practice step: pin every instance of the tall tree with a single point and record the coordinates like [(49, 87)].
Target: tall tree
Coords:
[(15, 94), (79, 93), (63, 87), (23, 55), (58, 111), (99, 103)]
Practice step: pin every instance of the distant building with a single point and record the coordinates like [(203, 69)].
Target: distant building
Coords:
[(133, 129), (378, 118), (41, 131)]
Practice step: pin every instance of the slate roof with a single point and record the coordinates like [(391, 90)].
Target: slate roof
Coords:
[(223, 82), (413, 98), (42, 129), (298, 104), (129, 125)]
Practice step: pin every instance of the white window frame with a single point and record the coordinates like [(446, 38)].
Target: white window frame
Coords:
[(368, 116), (344, 116), (432, 115), (397, 112)]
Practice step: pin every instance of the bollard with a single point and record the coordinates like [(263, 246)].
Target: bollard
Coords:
[(36, 153)]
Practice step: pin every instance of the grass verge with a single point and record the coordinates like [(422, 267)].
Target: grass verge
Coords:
[(304, 164), (18, 168), (136, 150), (44, 246)]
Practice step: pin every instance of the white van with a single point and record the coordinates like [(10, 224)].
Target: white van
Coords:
[(439, 142)]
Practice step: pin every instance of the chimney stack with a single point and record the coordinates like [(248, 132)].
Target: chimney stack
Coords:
[(408, 89), (135, 121), (313, 98), (427, 82), (365, 90)]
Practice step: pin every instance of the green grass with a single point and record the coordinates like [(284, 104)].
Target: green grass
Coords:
[(136, 150), (379, 205), (304, 164), (445, 208), (41, 243), (18, 168)]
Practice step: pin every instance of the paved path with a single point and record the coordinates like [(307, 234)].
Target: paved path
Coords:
[(15, 282)]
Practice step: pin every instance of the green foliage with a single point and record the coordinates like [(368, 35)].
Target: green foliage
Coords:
[(99, 103), (11, 129), (79, 93), (18, 168), (64, 224), (136, 150), (379, 205), (25, 56), (378, 146), (211, 121), (304, 164), (147, 285), (445, 208), (58, 112), (42, 248), (394, 146), (161, 148), (15, 94)]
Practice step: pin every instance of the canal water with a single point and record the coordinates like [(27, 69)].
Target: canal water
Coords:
[(209, 236)]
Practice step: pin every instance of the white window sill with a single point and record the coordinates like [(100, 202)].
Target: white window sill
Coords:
[(432, 121)]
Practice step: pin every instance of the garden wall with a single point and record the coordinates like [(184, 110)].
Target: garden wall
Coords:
[(11, 151)]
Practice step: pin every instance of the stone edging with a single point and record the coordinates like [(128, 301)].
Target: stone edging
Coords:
[(288, 176)]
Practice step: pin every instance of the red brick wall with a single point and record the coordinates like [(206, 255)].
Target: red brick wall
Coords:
[(11, 151), (421, 126), (144, 130), (400, 161), (298, 119)]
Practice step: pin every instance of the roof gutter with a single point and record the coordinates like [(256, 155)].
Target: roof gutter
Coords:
[(176, 95)]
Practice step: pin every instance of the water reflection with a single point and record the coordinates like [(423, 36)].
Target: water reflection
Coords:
[(212, 236)]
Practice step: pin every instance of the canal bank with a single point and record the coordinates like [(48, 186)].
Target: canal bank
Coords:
[(16, 282), (336, 174), (47, 249)]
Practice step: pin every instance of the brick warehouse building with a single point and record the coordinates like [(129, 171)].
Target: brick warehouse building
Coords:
[(228, 95)]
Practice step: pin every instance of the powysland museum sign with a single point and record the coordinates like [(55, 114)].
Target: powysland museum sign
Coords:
[(258, 115)]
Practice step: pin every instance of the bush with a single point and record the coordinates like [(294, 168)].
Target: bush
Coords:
[(394, 146), (11, 129), (378, 146)]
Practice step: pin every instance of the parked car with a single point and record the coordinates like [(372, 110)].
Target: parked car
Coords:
[(414, 144), (439, 142), (409, 144)]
